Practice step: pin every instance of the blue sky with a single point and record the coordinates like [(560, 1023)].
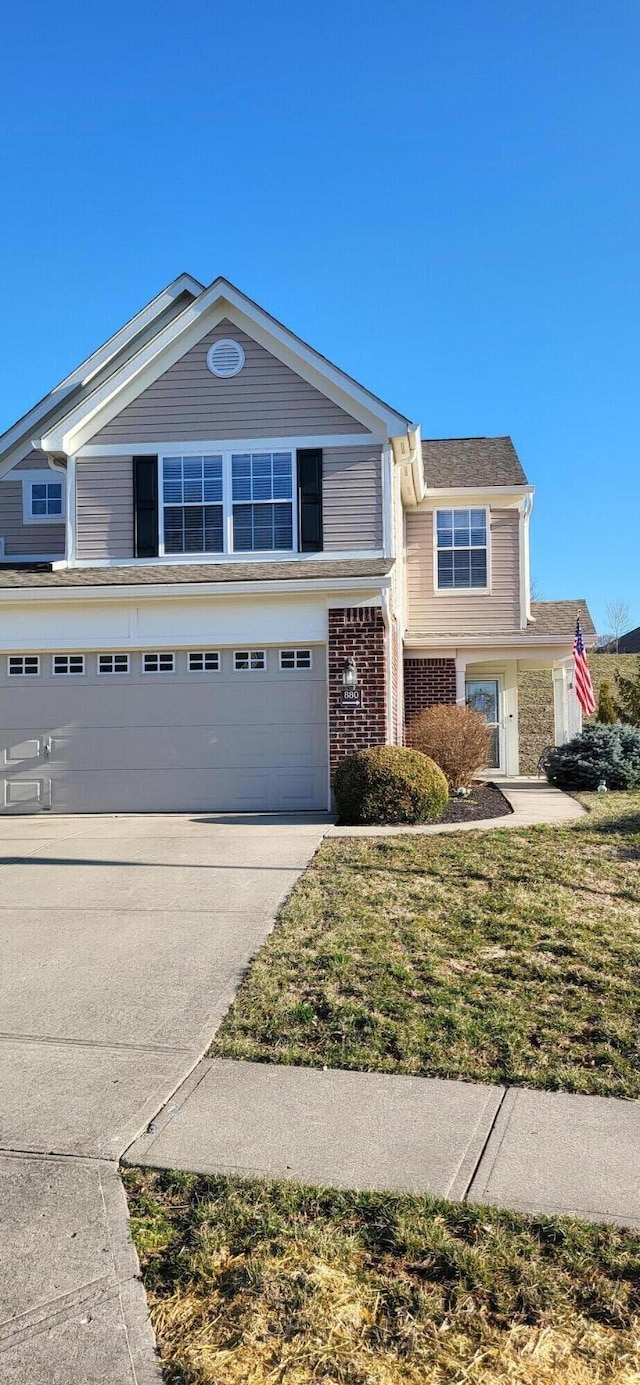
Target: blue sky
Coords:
[(442, 196)]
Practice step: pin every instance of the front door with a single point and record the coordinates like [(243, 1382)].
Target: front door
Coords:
[(484, 695)]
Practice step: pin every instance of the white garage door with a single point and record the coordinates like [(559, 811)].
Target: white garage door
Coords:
[(165, 731)]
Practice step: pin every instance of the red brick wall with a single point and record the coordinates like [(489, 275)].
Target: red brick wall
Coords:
[(358, 633), (426, 683)]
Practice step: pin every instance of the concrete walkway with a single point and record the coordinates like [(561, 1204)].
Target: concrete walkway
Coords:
[(530, 1151), (123, 941), (534, 803)]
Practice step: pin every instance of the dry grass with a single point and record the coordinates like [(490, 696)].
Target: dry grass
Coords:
[(506, 956), (258, 1283)]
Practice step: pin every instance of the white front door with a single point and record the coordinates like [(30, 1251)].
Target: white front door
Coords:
[(484, 694)]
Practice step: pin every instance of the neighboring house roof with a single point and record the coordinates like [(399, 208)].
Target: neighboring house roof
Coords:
[(44, 575), (473, 462), (627, 644), (559, 618)]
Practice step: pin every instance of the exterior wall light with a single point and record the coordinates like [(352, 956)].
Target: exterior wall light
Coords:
[(349, 674)]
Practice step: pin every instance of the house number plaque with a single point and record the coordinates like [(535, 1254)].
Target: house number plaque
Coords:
[(352, 697)]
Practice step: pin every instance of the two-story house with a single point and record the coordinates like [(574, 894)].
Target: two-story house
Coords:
[(224, 565)]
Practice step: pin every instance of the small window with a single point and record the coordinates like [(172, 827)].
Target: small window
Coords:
[(249, 660), (204, 661), (158, 663), (45, 501), (113, 663), (295, 658), (461, 547), (23, 665), (68, 663)]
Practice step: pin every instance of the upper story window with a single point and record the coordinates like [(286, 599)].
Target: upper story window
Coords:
[(234, 502), (461, 550), (43, 502), (262, 484), (192, 504)]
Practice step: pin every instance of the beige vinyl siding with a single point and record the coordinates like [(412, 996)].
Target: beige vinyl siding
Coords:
[(266, 399), (352, 497), (34, 461), (20, 540), (433, 613), (104, 507)]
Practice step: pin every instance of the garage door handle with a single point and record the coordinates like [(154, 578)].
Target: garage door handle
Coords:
[(46, 747)]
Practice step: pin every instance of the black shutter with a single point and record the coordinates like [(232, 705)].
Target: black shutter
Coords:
[(145, 507), (310, 500)]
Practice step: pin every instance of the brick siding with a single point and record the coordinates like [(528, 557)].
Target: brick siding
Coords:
[(357, 633), (427, 682)]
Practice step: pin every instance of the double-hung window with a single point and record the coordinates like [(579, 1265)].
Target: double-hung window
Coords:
[(461, 550), (262, 492), (192, 504)]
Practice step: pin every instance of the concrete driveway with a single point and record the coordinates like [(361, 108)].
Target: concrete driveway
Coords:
[(122, 942)]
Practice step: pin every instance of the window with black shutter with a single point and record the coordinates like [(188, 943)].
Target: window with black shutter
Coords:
[(145, 507), (310, 499)]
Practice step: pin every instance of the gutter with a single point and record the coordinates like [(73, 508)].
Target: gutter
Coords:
[(193, 590)]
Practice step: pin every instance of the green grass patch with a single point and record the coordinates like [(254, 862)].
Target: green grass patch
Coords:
[(256, 1282), (507, 956)]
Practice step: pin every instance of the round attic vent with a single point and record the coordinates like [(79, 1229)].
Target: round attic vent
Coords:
[(225, 358)]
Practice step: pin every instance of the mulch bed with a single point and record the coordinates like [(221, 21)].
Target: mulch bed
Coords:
[(485, 801)]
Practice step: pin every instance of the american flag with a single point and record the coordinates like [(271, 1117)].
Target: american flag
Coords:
[(582, 677)]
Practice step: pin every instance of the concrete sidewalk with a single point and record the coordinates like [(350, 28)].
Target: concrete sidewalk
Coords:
[(526, 1150)]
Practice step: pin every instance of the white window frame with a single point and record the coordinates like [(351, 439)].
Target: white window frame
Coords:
[(227, 501), (298, 654), (113, 671), (158, 654), (462, 591), (23, 672), (204, 654), (250, 654), (41, 478), (68, 672)]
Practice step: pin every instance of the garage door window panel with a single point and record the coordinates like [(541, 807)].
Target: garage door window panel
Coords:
[(204, 661), (249, 660), (67, 664), (295, 658), (113, 663), (158, 663)]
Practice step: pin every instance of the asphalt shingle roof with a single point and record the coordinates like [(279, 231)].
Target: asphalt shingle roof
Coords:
[(471, 462), (559, 618), (43, 575)]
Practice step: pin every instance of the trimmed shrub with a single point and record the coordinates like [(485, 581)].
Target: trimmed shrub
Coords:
[(457, 738), (628, 696), (389, 784), (609, 754), (606, 712)]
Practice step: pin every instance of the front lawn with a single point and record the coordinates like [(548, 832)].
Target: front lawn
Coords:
[(262, 1283), (508, 956)]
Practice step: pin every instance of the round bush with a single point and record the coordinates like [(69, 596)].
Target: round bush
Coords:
[(609, 754), (389, 784)]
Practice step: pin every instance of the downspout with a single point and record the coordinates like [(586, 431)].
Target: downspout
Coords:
[(67, 468), (525, 563), (385, 600)]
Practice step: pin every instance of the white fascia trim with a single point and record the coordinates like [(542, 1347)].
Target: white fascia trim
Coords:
[(481, 495), (199, 590), (84, 372), (530, 642), (191, 448), (157, 356), (189, 559)]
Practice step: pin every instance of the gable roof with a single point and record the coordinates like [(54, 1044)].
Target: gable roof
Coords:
[(559, 618), (472, 462), (75, 426), (145, 324)]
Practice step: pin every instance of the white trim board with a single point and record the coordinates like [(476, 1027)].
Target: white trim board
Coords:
[(191, 448), (200, 559)]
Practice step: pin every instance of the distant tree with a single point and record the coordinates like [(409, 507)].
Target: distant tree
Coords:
[(535, 590), (617, 614), (606, 709), (627, 700)]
